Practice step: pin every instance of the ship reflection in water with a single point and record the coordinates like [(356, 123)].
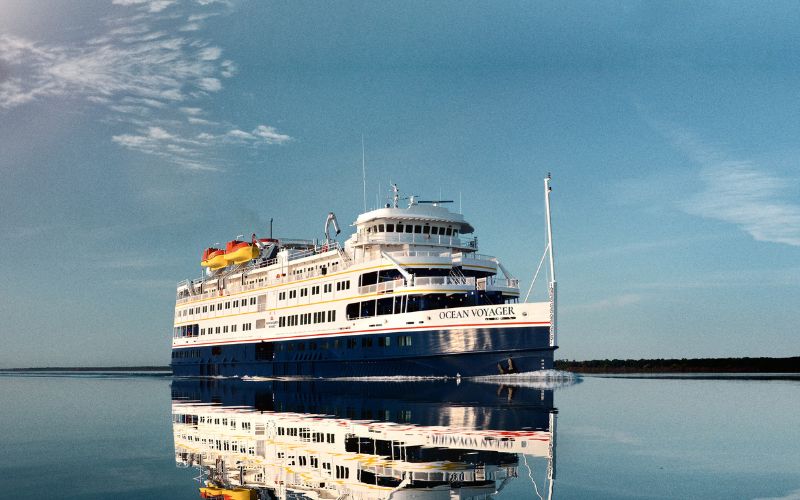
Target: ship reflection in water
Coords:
[(363, 440)]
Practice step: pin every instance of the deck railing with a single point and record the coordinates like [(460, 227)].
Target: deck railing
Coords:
[(282, 277)]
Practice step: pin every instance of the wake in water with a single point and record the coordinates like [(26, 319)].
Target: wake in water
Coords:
[(541, 379)]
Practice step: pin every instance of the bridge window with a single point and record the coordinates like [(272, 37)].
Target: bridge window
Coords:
[(426, 230), (369, 278), (409, 228), (389, 228), (380, 228), (449, 231), (417, 229)]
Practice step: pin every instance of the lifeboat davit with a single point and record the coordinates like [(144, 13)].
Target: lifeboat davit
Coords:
[(239, 252), (213, 258)]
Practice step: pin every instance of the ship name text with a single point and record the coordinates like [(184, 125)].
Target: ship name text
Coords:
[(477, 313)]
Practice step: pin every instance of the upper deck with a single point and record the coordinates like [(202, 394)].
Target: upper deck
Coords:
[(422, 230)]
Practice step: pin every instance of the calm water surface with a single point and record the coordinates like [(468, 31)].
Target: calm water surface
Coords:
[(118, 436)]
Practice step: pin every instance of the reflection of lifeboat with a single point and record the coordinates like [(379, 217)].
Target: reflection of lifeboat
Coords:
[(227, 494), (239, 252), (213, 258)]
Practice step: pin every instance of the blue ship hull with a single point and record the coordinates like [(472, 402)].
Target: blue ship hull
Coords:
[(466, 352)]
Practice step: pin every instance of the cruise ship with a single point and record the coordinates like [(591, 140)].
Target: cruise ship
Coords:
[(309, 440), (407, 294)]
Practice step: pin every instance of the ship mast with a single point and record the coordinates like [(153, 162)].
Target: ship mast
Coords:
[(552, 285)]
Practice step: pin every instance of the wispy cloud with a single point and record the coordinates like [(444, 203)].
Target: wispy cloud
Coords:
[(149, 79), (750, 197), (614, 302), (739, 191), (792, 495)]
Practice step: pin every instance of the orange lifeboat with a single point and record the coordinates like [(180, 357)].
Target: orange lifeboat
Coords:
[(213, 258), (239, 252)]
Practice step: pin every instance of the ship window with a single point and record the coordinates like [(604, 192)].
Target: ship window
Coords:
[(235, 303), (369, 278), (404, 341), (366, 342), (217, 330), (449, 231), (233, 328), (455, 232), (205, 308), (367, 308), (303, 292), (380, 228), (426, 230), (332, 315), (384, 341), (351, 343), (385, 306), (389, 228), (312, 346), (282, 321), (399, 227), (409, 228), (225, 329), (435, 230), (216, 351), (417, 229)]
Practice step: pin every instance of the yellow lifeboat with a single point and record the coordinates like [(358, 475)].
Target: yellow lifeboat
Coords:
[(239, 252), (213, 258), (227, 494)]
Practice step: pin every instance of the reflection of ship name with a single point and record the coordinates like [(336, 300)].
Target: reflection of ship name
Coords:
[(506, 441), (478, 313)]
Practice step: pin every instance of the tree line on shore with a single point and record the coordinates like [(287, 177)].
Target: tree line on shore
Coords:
[(684, 365)]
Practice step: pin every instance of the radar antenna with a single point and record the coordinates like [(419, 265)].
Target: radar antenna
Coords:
[(435, 203)]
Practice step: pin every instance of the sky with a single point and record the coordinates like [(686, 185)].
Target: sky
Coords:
[(135, 133)]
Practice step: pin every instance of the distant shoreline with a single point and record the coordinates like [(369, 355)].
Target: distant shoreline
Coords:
[(598, 366), (697, 365)]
